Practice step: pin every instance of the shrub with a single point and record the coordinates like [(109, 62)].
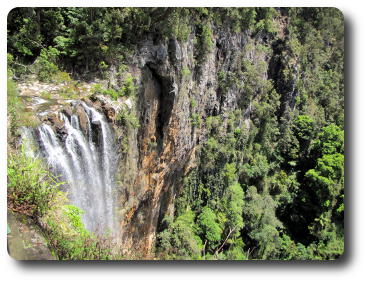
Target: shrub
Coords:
[(103, 66), (34, 191), (179, 240), (69, 91), (196, 120), (111, 93), (266, 23), (30, 185), (45, 64), (204, 43), (128, 87), (97, 88), (193, 103), (178, 24), (209, 227), (207, 38), (128, 119)]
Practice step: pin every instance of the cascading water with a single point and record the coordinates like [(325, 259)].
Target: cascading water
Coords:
[(86, 160)]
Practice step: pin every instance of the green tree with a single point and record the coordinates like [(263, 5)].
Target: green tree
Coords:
[(209, 227), (179, 240)]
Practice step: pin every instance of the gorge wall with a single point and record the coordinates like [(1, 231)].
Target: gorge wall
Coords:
[(167, 101)]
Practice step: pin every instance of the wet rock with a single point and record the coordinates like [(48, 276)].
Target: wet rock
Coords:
[(53, 119), (109, 112), (68, 111), (83, 119)]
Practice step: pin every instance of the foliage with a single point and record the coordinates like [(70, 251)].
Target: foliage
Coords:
[(31, 186), (233, 207), (206, 38), (262, 224), (179, 240), (14, 105), (196, 120), (127, 89), (209, 226), (266, 20), (46, 64), (25, 38), (178, 25), (185, 72), (128, 119), (68, 236)]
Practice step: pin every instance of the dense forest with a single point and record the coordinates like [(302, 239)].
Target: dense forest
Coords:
[(249, 128)]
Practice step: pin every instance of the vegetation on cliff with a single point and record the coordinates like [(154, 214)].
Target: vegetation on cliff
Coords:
[(268, 180)]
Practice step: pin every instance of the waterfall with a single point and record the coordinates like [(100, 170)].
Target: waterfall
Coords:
[(85, 159)]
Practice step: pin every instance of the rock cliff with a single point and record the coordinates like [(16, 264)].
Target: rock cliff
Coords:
[(168, 101)]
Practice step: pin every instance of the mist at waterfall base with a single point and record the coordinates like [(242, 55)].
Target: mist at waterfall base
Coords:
[(85, 160)]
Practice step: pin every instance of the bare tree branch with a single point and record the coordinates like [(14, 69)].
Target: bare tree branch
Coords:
[(225, 241)]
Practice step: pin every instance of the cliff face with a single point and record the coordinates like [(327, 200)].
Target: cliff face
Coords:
[(171, 106)]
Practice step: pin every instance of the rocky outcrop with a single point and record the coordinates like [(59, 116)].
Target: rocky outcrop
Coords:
[(25, 240)]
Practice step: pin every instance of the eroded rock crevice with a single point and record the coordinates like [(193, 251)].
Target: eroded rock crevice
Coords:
[(166, 91)]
